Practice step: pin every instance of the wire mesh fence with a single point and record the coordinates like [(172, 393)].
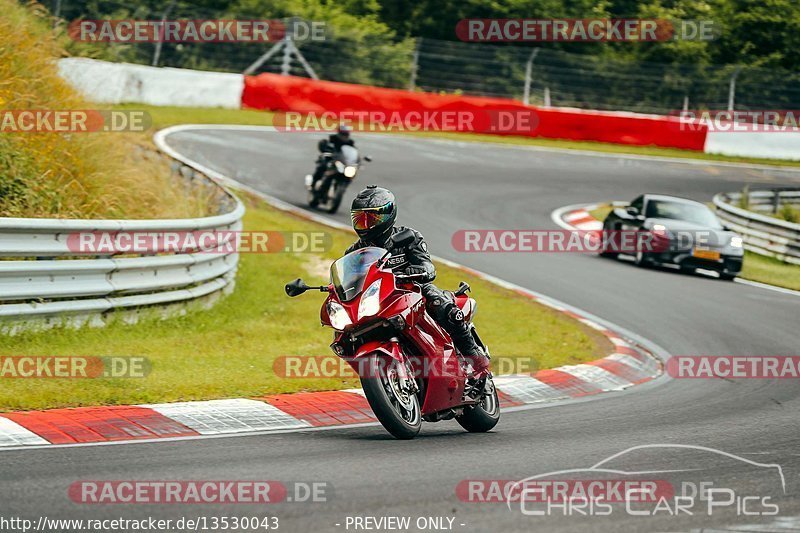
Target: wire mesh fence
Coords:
[(560, 78), (538, 75)]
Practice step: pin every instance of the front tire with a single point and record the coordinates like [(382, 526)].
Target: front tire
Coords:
[(604, 253), (312, 199), (485, 415), (337, 199), (397, 409), (727, 277), (641, 260)]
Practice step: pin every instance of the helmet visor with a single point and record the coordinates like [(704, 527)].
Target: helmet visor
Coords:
[(370, 217)]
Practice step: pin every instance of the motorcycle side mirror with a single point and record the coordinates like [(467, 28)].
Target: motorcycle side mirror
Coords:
[(296, 287), (367, 158), (401, 239)]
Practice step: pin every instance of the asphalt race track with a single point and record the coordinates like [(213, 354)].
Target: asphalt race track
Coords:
[(443, 187)]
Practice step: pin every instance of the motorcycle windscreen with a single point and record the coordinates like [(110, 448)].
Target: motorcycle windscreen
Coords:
[(349, 272), (348, 155)]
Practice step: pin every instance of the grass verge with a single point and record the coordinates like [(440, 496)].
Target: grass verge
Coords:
[(170, 116), (755, 268), (76, 175), (229, 350)]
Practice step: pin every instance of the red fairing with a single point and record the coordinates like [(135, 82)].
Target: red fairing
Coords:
[(323, 313), (392, 349), (420, 341), (467, 306)]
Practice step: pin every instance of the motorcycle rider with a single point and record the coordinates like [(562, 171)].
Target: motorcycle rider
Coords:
[(332, 144), (373, 214)]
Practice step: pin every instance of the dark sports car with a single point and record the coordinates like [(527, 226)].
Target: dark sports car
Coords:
[(689, 233)]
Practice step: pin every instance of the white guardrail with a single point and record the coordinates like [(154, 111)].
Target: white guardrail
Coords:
[(762, 234), (55, 285)]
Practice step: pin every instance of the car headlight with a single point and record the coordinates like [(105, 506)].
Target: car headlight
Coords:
[(370, 301), (339, 166), (660, 229), (338, 316), (662, 239), (350, 171), (736, 242)]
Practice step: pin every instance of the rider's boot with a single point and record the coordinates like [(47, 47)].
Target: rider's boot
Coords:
[(465, 343)]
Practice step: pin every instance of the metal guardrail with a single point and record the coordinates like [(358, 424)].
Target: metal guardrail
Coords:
[(51, 284), (762, 234)]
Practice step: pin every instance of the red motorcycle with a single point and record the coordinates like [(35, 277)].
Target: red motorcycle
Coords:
[(407, 364)]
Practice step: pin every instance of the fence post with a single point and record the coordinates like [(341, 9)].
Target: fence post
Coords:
[(157, 52), (412, 82), (286, 63), (264, 58), (547, 96), (528, 68), (732, 89), (56, 13)]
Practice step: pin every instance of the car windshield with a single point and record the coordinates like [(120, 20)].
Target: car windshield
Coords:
[(348, 155), (349, 272), (697, 214)]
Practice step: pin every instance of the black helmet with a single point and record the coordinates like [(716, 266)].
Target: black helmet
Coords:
[(373, 214), (344, 131)]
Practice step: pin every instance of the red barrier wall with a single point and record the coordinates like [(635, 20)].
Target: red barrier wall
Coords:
[(290, 93)]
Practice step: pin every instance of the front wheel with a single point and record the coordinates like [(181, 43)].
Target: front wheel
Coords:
[(485, 415), (604, 252), (393, 398), (313, 201), (641, 260), (337, 198)]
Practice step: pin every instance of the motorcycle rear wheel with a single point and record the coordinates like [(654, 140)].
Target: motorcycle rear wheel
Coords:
[(485, 415), (396, 409)]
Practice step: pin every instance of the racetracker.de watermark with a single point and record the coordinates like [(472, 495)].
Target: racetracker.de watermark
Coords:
[(73, 121), (347, 367), (201, 241), (176, 31), (74, 367), (205, 492), (739, 121), (734, 366), (563, 490), (132, 31), (583, 30), (575, 241), (510, 121)]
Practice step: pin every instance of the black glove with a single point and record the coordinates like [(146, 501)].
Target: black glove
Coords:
[(413, 270)]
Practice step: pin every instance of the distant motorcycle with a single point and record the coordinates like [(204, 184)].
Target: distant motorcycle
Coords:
[(340, 170)]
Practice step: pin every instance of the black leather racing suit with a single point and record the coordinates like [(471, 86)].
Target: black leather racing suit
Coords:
[(332, 144), (414, 259)]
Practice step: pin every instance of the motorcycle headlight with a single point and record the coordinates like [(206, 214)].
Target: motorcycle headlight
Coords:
[(370, 301), (339, 166), (350, 171), (736, 242), (338, 316)]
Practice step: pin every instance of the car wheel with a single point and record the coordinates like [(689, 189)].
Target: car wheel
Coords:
[(641, 260), (727, 277), (604, 253)]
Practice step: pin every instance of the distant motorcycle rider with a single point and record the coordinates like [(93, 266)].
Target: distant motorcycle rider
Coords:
[(331, 145), (373, 214)]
